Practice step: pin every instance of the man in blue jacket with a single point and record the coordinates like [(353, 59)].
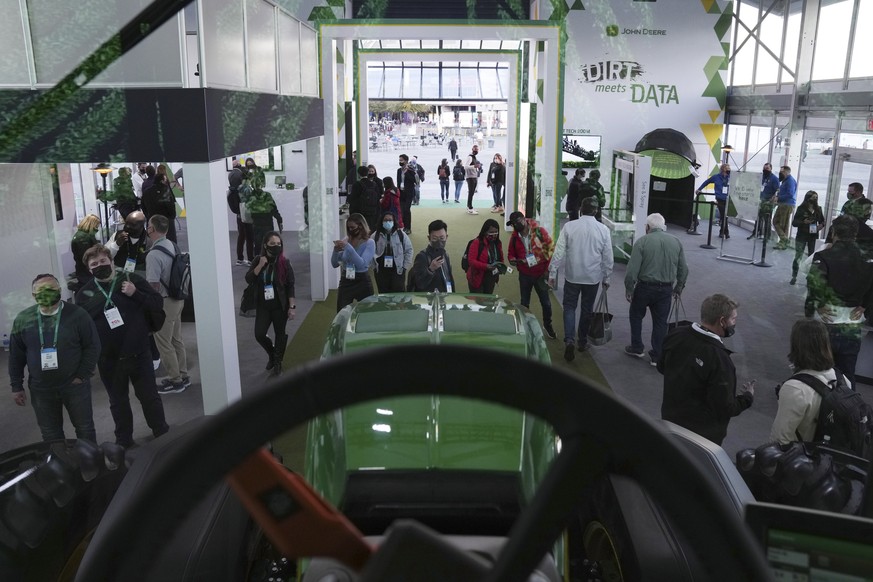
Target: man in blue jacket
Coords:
[(720, 183), (786, 201), (769, 190)]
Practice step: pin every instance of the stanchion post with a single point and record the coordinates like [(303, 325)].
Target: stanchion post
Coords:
[(695, 218), (709, 244), (767, 228)]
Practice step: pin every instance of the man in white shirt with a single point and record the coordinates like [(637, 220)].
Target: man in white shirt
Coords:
[(584, 250), (138, 179)]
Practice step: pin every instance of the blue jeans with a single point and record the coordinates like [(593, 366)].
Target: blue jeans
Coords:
[(845, 345), (444, 189), (526, 283), (497, 194), (657, 298), (48, 404), (458, 184), (573, 292)]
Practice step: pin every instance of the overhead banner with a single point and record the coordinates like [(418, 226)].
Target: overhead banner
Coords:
[(633, 66)]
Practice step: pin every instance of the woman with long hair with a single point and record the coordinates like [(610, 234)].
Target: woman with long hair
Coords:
[(391, 200), (353, 255), (485, 258), (496, 179), (459, 175), (273, 278), (809, 221), (799, 403), (84, 238), (393, 254)]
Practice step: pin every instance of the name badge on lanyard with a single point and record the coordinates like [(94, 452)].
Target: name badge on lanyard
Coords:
[(129, 265), (389, 262), (449, 287), (48, 358), (350, 271), (813, 228), (269, 292), (531, 260), (113, 316)]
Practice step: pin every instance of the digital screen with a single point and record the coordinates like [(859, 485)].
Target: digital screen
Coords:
[(580, 151), (801, 557)]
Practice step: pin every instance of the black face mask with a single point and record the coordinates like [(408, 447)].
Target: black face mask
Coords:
[(767, 173), (729, 330), (102, 272), (274, 251), (781, 176), (518, 227), (134, 231)]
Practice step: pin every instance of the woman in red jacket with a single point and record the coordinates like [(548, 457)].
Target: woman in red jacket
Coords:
[(485, 258), (391, 201)]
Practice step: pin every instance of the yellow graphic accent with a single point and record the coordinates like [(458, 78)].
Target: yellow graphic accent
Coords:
[(184, 214), (342, 150), (540, 141), (712, 132), (707, 4), (713, 114)]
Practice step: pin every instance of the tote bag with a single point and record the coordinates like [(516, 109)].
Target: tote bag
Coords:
[(600, 330), (673, 320)]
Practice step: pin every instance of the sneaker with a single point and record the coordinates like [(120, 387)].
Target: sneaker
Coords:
[(472, 211), (583, 347), (240, 262), (247, 263), (550, 331), (793, 281), (168, 387), (653, 363), (631, 352), (569, 352), (457, 201), (495, 208), (186, 380)]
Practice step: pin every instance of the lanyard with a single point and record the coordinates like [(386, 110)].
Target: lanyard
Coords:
[(525, 241), (57, 325), (270, 268), (107, 295)]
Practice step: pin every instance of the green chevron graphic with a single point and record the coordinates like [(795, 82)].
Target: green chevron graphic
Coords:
[(715, 87)]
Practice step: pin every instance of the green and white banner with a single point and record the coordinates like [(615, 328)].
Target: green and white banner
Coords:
[(633, 66)]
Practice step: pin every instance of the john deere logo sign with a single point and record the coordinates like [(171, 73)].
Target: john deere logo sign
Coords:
[(618, 77), (612, 30)]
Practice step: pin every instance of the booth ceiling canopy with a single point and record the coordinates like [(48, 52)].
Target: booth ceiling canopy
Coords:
[(671, 153)]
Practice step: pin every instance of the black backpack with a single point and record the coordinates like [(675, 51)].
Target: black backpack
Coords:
[(419, 169), (179, 284), (369, 199), (458, 173), (465, 261), (845, 420), (233, 200)]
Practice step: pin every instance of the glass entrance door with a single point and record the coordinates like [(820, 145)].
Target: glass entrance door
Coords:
[(852, 165)]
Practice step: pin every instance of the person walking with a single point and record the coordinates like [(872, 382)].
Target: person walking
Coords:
[(720, 183), (656, 272), (473, 168), (485, 257), (391, 201), (809, 221), (57, 343), (574, 194), (453, 149), (769, 191), (273, 278), (530, 252), (700, 380), (406, 183), (393, 254), (459, 175), (84, 238), (444, 173), (354, 255), (260, 204), (584, 250), (496, 180)]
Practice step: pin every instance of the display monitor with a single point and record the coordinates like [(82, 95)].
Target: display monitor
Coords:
[(806, 544), (580, 151)]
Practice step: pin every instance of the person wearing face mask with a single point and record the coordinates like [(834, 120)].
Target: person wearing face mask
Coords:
[(117, 303), (406, 183), (353, 255), (259, 203), (485, 256), (530, 252), (138, 178), (809, 221), (700, 381), (58, 345), (130, 244), (495, 180), (720, 183), (273, 278), (786, 199), (84, 238), (365, 195), (393, 255), (432, 269), (769, 190)]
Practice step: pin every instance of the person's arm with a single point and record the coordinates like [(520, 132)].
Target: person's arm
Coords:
[(335, 258), (254, 270), (790, 413), (681, 272), (421, 274), (362, 260), (153, 269), (721, 396), (90, 342), (707, 182), (408, 252), (354, 199), (112, 244), (548, 243), (275, 211), (512, 253), (17, 358), (606, 258), (145, 295), (475, 252), (800, 217), (633, 268)]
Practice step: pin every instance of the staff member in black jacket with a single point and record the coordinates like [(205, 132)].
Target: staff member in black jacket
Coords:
[(273, 278), (117, 302), (58, 344), (809, 220), (700, 381)]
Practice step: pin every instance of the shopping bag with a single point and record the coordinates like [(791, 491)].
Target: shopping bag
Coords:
[(673, 320), (247, 304), (600, 330)]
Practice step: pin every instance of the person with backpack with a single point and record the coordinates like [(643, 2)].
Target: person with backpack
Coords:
[(799, 416), (432, 269), (273, 280), (419, 178), (495, 180), (485, 259), (453, 149), (260, 203), (473, 168), (407, 181), (244, 235), (365, 195), (391, 201), (159, 267), (444, 172), (393, 256)]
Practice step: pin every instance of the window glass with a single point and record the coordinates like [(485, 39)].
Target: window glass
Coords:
[(743, 61), (451, 82), (815, 164), (862, 64), (375, 76), (834, 21), (792, 40), (309, 54), (430, 83), (261, 42), (771, 37), (759, 148), (470, 84), (490, 85), (412, 83), (289, 47), (393, 80)]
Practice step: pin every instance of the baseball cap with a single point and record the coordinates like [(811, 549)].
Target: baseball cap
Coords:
[(513, 217)]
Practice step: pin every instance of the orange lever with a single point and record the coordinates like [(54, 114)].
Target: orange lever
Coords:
[(298, 521)]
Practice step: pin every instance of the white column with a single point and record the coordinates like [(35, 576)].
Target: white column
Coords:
[(549, 69), (323, 221), (214, 302)]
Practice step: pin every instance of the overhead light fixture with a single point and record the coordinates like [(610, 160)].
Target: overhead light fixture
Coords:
[(102, 168), (727, 149)]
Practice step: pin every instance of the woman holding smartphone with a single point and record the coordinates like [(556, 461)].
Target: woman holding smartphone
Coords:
[(354, 255)]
